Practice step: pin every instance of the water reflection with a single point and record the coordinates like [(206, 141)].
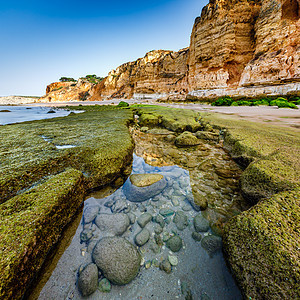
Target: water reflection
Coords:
[(193, 266)]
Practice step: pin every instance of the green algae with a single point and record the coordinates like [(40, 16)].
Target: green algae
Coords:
[(262, 247), (41, 186), (174, 119), (262, 244), (101, 138), (30, 224)]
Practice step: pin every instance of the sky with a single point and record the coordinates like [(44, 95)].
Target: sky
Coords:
[(42, 41)]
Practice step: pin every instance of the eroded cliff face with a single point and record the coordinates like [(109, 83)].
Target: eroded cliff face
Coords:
[(222, 43), (237, 48), (277, 49), (158, 72), (67, 91)]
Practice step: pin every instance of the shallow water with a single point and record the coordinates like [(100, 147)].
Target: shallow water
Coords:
[(199, 272), (18, 114)]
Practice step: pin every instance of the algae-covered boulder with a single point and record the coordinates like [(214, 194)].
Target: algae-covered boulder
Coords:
[(262, 247), (186, 139), (118, 259), (115, 224), (140, 187), (88, 280)]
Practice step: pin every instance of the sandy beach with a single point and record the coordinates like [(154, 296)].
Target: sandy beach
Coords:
[(16, 100)]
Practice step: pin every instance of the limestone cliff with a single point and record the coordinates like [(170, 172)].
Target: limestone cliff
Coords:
[(158, 72), (222, 43), (67, 91), (277, 51), (237, 48)]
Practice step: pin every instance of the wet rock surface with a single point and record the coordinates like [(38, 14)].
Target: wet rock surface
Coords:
[(174, 240), (118, 259), (88, 280)]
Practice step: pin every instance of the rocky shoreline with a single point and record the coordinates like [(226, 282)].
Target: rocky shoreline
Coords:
[(268, 154)]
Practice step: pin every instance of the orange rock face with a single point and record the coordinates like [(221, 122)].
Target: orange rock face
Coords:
[(67, 91), (277, 51), (222, 43), (235, 45), (158, 72)]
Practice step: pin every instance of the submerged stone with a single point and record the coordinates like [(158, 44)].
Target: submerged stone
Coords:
[(197, 236), (144, 219), (166, 266), (174, 243), (88, 280), (118, 259), (104, 286), (173, 260), (166, 212), (90, 213), (211, 243), (116, 224), (142, 237), (180, 220), (141, 187), (200, 224)]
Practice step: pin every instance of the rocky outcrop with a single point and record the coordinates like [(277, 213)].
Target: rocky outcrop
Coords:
[(222, 43), (67, 91), (277, 52), (235, 45), (158, 72)]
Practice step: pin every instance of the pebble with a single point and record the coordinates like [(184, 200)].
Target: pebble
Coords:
[(160, 220), (174, 243), (142, 237), (166, 212), (200, 224), (148, 264), (196, 236), (132, 217), (173, 260), (165, 266), (144, 219), (180, 220), (158, 229), (104, 285), (187, 207)]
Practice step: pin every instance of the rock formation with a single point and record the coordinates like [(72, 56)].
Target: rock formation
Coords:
[(67, 91), (158, 72), (235, 45)]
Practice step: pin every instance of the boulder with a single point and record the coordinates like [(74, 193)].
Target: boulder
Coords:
[(115, 224), (186, 139), (200, 224), (140, 187), (88, 280), (118, 259)]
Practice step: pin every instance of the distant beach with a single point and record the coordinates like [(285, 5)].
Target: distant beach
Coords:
[(12, 100)]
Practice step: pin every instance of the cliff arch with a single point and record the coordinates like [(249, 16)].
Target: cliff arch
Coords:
[(291, 9)]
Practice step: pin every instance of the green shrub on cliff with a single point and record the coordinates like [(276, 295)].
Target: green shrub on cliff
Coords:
[(66, 79)]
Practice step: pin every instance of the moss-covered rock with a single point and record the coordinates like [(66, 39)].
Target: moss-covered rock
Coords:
[(186, 139), (262, 244), (262, 247), (30, 224), (173, 119), (42, 185)]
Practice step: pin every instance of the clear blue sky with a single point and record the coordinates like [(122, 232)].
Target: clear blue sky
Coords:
[(44, 40)]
